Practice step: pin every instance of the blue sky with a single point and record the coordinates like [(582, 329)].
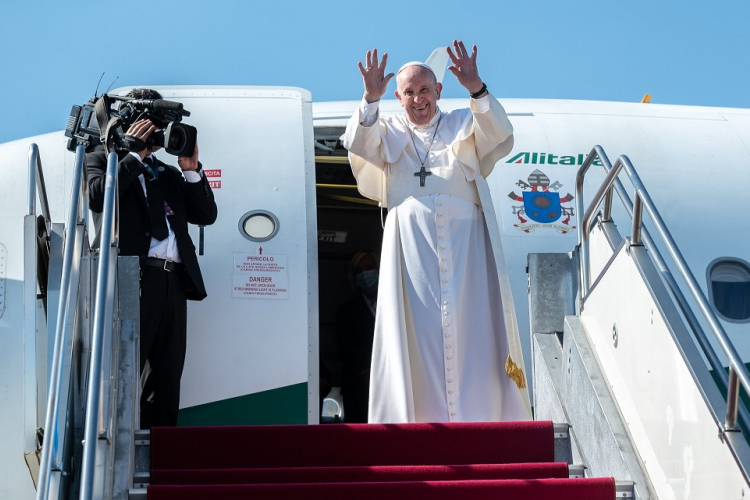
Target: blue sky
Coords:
[(682, 52)]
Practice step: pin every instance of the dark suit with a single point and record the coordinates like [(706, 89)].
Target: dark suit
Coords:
[(163, 294), (355, 325)]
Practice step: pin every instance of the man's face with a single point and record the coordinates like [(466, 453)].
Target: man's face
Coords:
[(418, 93)]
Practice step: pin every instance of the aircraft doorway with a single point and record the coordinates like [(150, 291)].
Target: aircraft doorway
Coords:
[(348, 223)]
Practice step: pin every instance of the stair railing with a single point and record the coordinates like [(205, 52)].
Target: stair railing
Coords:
[(60, 373), (36, 184), (738, 373), (33, 252), (36, 187), (96, 426)]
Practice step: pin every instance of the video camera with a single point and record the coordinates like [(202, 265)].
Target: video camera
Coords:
[(115, 114)]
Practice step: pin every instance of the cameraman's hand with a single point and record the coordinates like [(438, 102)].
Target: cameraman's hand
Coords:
[(189, 163), (141, 130)]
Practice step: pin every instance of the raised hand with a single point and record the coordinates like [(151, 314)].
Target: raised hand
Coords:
[(373, 75), (465, 66)]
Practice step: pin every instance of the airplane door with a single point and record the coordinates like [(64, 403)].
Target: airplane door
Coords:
[(252, 347)]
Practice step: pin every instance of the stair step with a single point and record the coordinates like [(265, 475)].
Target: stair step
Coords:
[(535, 489), (360, 474), (351, 445)]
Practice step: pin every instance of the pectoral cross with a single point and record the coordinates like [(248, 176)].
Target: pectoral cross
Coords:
[(422, 174)]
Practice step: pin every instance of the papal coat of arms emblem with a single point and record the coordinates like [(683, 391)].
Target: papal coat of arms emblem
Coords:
[(542, 204)]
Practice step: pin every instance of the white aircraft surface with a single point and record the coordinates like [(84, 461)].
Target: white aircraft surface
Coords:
[(290, 219)]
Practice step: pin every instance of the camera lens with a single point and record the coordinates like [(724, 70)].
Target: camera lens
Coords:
[(180, 139)]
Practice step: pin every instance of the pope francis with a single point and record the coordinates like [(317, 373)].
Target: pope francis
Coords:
[(441, 350)]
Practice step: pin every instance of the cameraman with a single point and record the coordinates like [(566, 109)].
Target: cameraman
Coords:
[(157, 201)]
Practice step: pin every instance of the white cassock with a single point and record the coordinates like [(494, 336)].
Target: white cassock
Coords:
[(440, 345)]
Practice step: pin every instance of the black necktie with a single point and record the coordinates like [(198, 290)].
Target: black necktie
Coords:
[(155, 202)]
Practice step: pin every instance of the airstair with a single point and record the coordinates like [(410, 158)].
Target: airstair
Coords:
[(82, 352), (625, 352), (631, 383)]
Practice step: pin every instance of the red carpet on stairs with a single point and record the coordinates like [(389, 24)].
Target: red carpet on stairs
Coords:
[(514, 489), (351, 445), (373, 474), (506, 460)]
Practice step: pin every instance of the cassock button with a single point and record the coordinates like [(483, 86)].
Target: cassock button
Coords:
[(444, 270), (448, 346), (445, 302), (445, 281), (450, 380), (440, 237), (449, 357), (440, 227), (450, 392), (450, 369), (446, 324), (442, 248), (453, 414), (443, 259), (447, 335), (439, 204), (440, 215), (452, 403), (445, 292)]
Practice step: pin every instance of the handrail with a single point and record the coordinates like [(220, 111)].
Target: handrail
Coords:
[(93, 400), (77, 218), (692, 320), (738, 373), (30, 278), (36, 173)]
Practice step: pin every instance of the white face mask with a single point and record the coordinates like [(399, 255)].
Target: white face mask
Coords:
[(367, 281)]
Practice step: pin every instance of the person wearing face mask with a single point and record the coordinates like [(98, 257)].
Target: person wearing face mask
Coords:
[(355, 324), (446, 346)]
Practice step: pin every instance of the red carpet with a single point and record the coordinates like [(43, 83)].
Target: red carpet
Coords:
[(375, 474), (351, 445), (534, 489), (468, 461)]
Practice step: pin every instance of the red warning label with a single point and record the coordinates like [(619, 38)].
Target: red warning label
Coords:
[(215, 184), (260, 277), (212, 173)]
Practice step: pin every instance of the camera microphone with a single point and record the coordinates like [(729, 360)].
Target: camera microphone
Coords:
[(166, 105), (158, 104)]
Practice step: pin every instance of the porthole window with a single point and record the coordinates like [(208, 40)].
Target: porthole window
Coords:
[(729, 289), (259, 225)]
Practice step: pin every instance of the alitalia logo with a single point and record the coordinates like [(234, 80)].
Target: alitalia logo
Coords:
[(535, 158)]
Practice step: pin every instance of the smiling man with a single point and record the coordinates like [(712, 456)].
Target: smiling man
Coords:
[(440, 352)]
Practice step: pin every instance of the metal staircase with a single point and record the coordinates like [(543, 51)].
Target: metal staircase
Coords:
[(621, 354), (86, 436)]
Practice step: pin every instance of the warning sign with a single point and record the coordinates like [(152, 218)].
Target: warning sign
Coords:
[(214, 178), (260, 277)]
